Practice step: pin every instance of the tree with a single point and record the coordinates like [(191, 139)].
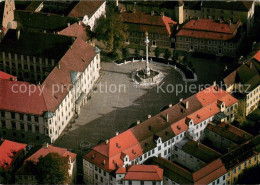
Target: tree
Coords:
[(53, 169), (137, 52), (111, 30), (91, 35), (241, 112), (157, 52), (174, 56), (167, 54), (125, 52), (117, 54)]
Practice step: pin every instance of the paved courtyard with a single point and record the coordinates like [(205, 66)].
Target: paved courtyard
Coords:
[(110, 112)]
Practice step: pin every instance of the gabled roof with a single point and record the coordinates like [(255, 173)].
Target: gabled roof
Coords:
[(46, 45), (108, 155), (144, 173), (42, 21), (142, 137), (209, 29), (63, 152), (13, 100), (143, 22), (85, 8), (246, 74), (205, 175), (200, 151), (76, 58), (6, 76), (229, 5), (230, 132), (257, 56), (75, 30), (238, 155), (9, 152)]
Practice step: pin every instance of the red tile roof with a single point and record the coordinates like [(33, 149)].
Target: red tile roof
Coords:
[(63, 152), (77, 58), (6, 76), (85, 8), (144, 173), (121, 170), (205, 175), (141, 138), (257, 56), (75, 30), (209, 29), (209, 173), (9, 151), (148, 22), (14, 100), (108, 156)]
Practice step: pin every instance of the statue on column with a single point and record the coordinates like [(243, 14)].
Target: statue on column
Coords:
[(147, 68)]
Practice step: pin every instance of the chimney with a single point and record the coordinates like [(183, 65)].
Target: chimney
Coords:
[(134, 10), (170, 105), (45, 145), (198, 18), (152, 13), (181, 99), (58, 66), (186, 105), (214, 83), (107, 141), (138, 122), (149, 116), (167, 117), (79, 23), (68, 24), (116, 133), (230, 22), (162, 14), (18, 33)]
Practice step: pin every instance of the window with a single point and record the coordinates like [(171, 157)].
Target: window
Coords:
[(13, 125), (36, 118), (130, 182), (101, 179), (224, 177), (142, 182), (159, 148), (21, 116), (2, 114), (96, 176), (29, 127), (29, 118), (22, 126), (12, 115), (3, 124)]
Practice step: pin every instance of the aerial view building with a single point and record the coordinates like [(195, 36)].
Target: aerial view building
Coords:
[(129, 92)]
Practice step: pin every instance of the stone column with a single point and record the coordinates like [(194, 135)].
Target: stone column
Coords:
[(147, 68)]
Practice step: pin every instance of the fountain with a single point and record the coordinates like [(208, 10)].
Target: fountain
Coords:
[(147, 76)]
